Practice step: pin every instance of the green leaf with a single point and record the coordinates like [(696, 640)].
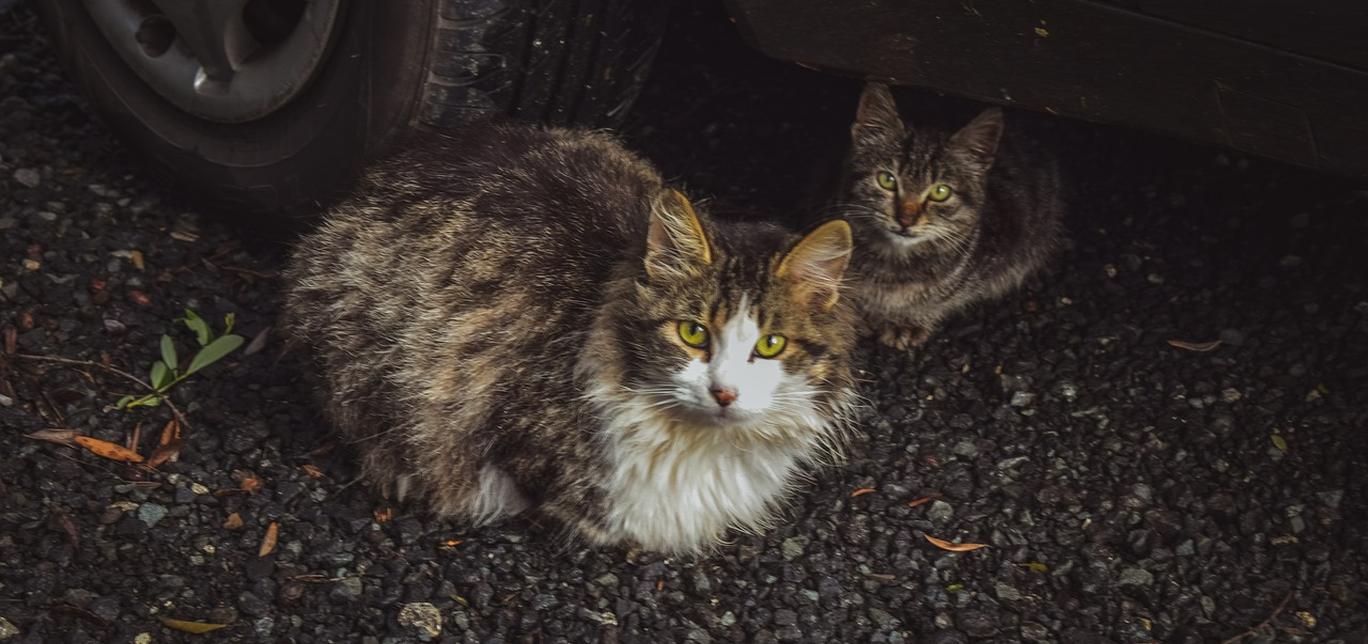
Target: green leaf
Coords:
[(1279, 442), (160, 375), (1036, 566), (228, 320), (954, 587), (151, 401), (199, 326), (168, 350), (123, 402), (214, 352)]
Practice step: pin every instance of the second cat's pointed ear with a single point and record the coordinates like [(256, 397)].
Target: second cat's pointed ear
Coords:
[(978, 141), (817, 262), (877, 115), (676, 244)]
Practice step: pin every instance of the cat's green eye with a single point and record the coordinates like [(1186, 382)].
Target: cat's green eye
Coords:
[(693, 333), (886, 180), (771, 345), (939, 192)]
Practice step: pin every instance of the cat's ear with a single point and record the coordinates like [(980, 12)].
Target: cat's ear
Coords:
[(877, 116), (816, 263), (676, 244), (978, 141)]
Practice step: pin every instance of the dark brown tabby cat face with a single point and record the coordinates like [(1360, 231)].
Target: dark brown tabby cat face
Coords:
[(735, 325), (906, 187)]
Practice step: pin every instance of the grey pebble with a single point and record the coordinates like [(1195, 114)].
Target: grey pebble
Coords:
[(1136, 577), (28, 177), (940, 511), (793, 547), (151, 513)]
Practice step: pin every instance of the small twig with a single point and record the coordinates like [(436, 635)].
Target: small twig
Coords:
[(116, 371), (52, 406), (249, 272), (1264, 624)]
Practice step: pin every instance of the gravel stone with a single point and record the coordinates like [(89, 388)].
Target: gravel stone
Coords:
[(940, 512), (264, 627), (151, 513), (28, 177), (1136, 577), (347, 590), (7, 629), (976, 623), (882, 618), (421, 618), (1034, 632), (793, 547)]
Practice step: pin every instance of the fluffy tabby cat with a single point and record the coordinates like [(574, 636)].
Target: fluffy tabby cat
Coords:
[(941, 220), (522, 318)]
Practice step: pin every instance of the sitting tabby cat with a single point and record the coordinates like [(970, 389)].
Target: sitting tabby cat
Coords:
[(941, 220), (522, 318)]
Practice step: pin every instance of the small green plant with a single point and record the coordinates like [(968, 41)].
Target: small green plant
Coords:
[(167, 372)]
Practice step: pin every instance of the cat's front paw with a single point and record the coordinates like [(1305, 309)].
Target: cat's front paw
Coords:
[(903, 337)]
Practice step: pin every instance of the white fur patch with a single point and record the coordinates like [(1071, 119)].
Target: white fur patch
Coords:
[(688, 470), (497, 497)]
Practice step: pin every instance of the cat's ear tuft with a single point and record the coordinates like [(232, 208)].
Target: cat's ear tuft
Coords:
[(676, 244), (978, 141), (877, 116), (817, 262)]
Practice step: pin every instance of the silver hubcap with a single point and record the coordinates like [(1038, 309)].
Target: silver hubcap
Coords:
[(222, 60)]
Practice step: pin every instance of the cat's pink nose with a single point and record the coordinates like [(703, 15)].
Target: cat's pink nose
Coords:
[(909, 213), (724, 395)]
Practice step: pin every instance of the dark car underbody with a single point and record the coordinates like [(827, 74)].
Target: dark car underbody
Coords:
[(1280, 79)]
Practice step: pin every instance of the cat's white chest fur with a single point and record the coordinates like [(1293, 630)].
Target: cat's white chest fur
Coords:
[(678, 489)]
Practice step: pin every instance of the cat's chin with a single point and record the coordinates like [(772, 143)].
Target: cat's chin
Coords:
[(716, 417), (903, 238)]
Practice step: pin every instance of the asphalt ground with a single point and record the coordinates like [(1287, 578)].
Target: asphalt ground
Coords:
[(1128, 490)]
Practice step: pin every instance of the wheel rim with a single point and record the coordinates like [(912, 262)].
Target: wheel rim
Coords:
[(229, 61)]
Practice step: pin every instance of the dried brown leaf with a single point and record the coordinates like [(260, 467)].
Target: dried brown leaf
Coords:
[(185, 236), (165, 453), (921, 501), (138, 297), (250, 484), (451, 543), (268, 542), (384, 515), (954, 547), (170, 432), (190, 627), (106, 449), (312, 471), (1200, 347), (233, 522), (136, 257), (55, 435), (861, 491)]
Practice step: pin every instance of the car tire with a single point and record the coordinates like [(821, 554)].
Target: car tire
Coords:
[(390, 68)]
